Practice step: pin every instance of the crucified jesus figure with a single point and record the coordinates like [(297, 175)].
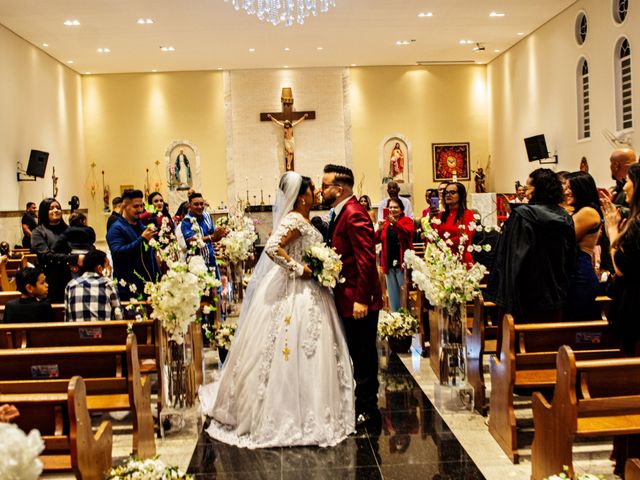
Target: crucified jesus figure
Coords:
[(289, 142)]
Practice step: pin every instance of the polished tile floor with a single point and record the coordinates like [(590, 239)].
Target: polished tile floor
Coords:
[(413, 442)]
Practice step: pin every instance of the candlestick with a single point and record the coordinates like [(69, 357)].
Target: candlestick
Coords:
[(248, 202), (269, 196), (261, 195)]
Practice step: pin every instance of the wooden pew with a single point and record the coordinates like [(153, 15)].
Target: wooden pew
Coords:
[(7, 297), (527, 362), (632, 469), (6, 284), (481, 340), (111, 374), (65, 426), (591, 398)]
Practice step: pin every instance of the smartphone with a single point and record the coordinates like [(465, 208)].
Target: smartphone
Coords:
[(434, 203), (385, 213)]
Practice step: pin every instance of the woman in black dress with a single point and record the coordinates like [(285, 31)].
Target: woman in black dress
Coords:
[(625, 252), (56, 265)]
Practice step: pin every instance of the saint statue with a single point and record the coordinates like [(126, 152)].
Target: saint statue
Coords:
[(181, 172), (479, 180), (289, 142), (396, 164)]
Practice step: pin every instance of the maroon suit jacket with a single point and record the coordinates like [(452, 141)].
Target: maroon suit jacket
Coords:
[(353, 238)]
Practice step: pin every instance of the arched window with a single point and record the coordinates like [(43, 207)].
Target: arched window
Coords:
[(581, 28), (624, 100), (620, 10), (584, 116)]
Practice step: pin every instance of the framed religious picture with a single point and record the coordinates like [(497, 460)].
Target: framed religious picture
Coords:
[(124, 188), (450, 159)]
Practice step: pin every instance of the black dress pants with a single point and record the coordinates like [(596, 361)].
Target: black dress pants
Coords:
[(361, 340)]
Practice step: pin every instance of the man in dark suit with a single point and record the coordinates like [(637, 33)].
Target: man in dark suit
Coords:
[(359, 298)]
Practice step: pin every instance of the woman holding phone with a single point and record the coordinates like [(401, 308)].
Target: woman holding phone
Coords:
[(456, 214), (396, 236)]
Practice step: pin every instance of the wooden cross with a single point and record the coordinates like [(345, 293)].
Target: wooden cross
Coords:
[(287, 112), (287, 119)]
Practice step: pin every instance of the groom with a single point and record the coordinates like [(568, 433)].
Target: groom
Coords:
[(359, 298)]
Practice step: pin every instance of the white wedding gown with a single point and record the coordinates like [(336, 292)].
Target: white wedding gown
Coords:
[(265, 398)]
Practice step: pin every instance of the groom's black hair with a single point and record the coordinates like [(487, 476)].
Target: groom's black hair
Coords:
[(344, 175)]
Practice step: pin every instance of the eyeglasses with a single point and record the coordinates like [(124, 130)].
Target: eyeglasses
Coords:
[(450, 192)]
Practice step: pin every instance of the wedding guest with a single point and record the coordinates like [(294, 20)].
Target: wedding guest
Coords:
[(365, 201), (393, 190), (183, 208), (160, 212), (134, 259), (116, 204), (395, 234), (623, 313), (79, 236), (535, 256), (92, 295), (29, 223), (454, 221), (55, 264), (431, 195), (32, 306), (582, 196), (198, 225), (521, 194)]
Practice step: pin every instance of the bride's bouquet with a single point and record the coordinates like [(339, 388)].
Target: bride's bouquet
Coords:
[(325, 264)]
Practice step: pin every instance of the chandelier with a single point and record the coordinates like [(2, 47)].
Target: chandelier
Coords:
[(287, 11)]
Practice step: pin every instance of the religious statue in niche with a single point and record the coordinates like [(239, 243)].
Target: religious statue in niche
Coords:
[(396, 161), (288, 119), (396, 164), (180, 172), (289, 141)]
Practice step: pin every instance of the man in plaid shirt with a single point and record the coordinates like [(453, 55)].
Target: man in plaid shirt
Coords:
[(92, 296)]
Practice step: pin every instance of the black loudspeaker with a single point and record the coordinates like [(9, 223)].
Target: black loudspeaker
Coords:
[(37, 163), (536, 148)]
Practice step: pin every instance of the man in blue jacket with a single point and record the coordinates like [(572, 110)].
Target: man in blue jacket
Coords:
[(134, 261)]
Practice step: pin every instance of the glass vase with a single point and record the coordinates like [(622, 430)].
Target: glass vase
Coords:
[(177, 383), (451, 326), (236, 274)]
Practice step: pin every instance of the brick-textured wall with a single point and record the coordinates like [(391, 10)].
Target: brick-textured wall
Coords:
[(255, 149)]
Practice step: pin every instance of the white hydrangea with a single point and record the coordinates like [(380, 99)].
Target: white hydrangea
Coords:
[(149, 469), (19, 459), (397, 324)]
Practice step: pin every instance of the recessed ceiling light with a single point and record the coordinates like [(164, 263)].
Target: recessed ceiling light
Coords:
[(425, 14), (145, 21), (466, 42), (87, 73), (167, 49), (286, 66), (286, 49), (45, 45), (72, 23), (154, 70), (252, 49), (496, 14), (497, 50), (402, 42), (69, 62), (520, 34), (354, 65), (219, 68), (104, 50), (318, 48)]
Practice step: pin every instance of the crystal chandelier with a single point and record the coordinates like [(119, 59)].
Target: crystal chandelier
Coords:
[(287, 11)]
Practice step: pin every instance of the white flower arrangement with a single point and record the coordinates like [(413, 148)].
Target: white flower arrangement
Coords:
[(149, 469), (224, 334), (325, 264), (238, 244), (175, 298), (442, 275), (19, 459), (580, 476), (396, 324)]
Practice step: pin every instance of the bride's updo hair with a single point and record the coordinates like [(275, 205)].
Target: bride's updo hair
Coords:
[(306, 183)]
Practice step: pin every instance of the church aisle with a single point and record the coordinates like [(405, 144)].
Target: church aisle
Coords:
[(412, 442)]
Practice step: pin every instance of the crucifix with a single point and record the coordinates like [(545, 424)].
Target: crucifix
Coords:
[(288, 119)]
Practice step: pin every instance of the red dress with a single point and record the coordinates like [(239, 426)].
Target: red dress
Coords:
[(453, 229)]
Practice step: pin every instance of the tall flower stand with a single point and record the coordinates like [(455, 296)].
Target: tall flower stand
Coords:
[(453, 392), (235, 271), (179, 384)]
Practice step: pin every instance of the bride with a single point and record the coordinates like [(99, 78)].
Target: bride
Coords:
[(288, 378)]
